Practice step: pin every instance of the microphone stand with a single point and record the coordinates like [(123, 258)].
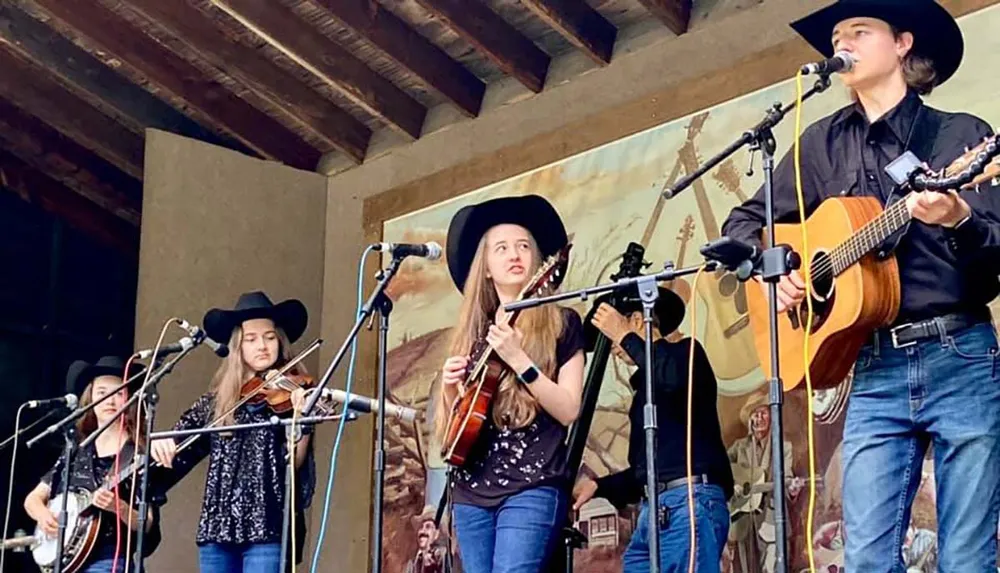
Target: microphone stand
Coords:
[(648, 293), (378, 300), (152, 397), (10, 440), (273, 421), (773, 264)]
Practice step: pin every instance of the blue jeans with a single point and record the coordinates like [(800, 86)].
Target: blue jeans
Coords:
[(515, 537), (248, 558), (943, 391), (104, 566), (711, 521)]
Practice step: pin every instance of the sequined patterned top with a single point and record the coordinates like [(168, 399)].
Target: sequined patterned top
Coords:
[(504, 461), (245, 485)]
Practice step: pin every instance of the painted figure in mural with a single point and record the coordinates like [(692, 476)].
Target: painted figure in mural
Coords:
[(431, 546), (713, 480), (926, 378), (243, 506), (752, 505), (508, 497)]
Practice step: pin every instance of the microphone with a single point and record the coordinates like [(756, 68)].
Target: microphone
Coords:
[(69, 400), (370, 405), (172, 348), (430, 251), (199, 335), (840, 62)]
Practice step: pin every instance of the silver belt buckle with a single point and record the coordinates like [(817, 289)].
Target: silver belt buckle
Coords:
[(894, 335)]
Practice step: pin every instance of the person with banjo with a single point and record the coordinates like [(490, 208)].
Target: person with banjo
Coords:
[(91, 538)]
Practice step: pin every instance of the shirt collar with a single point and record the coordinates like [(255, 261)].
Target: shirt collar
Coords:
[(899, 119)]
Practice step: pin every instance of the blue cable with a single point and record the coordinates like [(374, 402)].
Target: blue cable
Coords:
[(343, 421)]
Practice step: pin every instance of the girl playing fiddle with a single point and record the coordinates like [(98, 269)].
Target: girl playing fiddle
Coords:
[(509, 496), (240, 528), (94, 463)]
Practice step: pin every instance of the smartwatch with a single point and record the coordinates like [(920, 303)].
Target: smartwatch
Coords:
[(529, 375)]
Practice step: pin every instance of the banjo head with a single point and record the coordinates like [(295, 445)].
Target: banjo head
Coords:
[(44, 553)]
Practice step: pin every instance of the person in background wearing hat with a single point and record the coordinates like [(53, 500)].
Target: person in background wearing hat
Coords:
[(750, 458), (509, 497), (932, 375), (91, 465), (431, 550), (713, 481), (243, 507)]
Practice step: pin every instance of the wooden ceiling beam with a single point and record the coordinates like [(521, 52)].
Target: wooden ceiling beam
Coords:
[(676, 14), (52, 196), (328, 61), (32, 89), (248, 65), (50, 152), (117, 42), (98, 84), (580, 24), (499, 41), (393, 37)]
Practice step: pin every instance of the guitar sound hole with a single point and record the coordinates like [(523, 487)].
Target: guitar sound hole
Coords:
[(823, 291), (730, 286)]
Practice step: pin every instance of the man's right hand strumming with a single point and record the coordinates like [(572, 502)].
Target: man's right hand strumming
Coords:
[(791, 290), (163, 451)]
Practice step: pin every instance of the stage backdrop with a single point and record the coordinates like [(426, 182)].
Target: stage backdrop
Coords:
[(608, 197)]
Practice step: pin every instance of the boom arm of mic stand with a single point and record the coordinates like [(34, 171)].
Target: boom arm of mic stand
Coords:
[(154, 378), (366, 311), (760, 132), (79, 413)]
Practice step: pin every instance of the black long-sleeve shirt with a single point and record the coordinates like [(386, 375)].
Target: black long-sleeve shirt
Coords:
[(942, 270), (670, 375)]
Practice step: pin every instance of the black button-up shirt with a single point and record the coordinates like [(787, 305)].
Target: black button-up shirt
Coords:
[(942, 270), (670, 375)]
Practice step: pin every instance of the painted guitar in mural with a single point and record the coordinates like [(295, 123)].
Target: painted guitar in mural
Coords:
[(726, 333), (486, 370), (854, 293)]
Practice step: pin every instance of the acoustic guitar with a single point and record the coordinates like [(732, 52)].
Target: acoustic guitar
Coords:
[(853, 292), (470, 411)]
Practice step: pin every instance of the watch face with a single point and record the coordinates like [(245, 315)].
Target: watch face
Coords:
[(529, 375)]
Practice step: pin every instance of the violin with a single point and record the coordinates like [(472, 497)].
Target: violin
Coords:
[(275, 392)]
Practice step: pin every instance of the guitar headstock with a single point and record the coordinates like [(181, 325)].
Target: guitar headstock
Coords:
[(978, 165), (548, 276), (687, 230)]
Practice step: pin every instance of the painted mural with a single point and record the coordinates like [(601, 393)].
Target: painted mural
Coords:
[(608, 197)]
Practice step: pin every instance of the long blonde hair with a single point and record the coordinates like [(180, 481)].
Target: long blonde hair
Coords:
[(513, 405), (233, 372)]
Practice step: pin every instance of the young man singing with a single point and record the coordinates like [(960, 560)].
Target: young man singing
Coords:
[(932, 376)]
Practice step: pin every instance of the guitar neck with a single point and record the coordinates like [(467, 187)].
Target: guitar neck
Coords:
[(867, 238)]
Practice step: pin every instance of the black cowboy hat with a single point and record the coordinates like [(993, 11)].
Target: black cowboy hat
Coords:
[(936, 34), (470, 223), (669, 310), (290, 315), (80, 373)]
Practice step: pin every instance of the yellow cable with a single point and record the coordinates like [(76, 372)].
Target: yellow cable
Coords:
[(689, 424), (806, 265)]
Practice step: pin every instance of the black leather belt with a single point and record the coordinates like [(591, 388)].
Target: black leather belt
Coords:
[(681, 482), (911, 333)]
